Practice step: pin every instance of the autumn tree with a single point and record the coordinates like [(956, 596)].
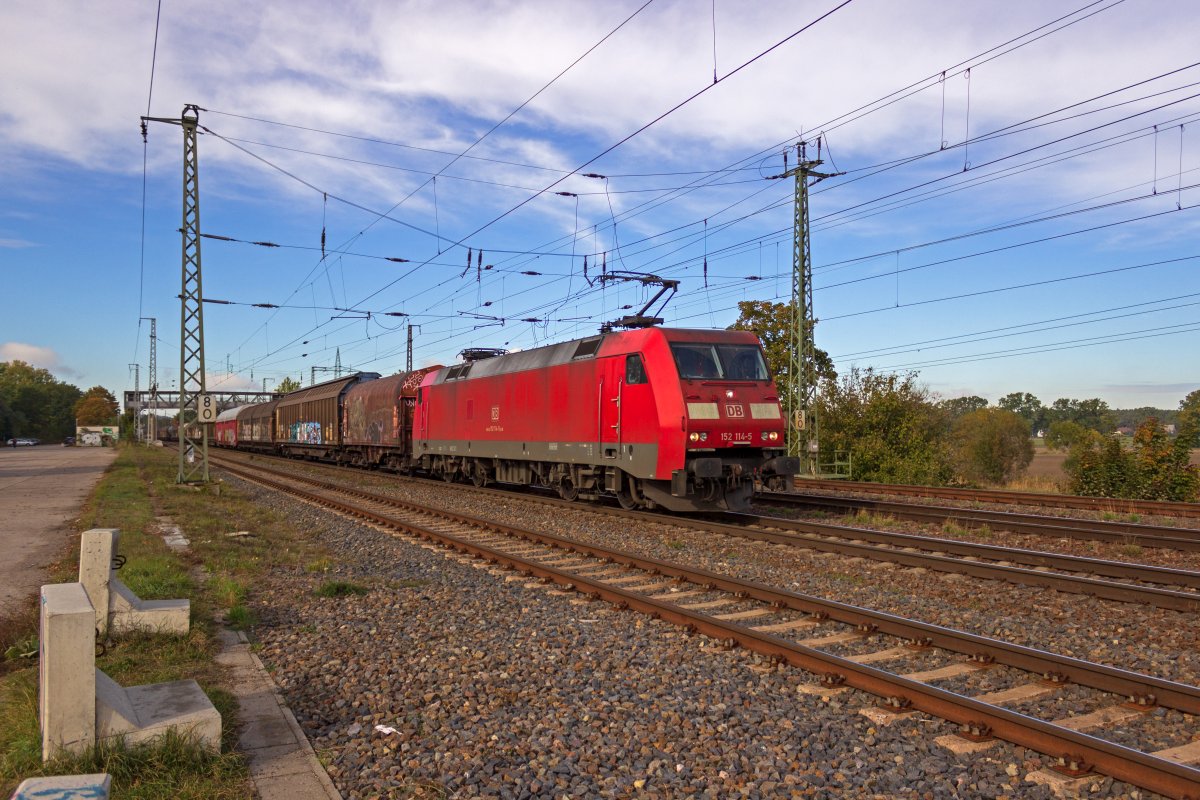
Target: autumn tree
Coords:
[(1189, 419), (890, 424), (96, 407), (1156, 467), (990, 445)]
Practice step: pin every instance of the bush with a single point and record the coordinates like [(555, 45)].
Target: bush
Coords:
[(891, 425), (1155, 468), (990, 445)]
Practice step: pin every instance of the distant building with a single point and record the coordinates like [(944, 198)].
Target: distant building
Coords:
[(96, 435), (1169, 429)]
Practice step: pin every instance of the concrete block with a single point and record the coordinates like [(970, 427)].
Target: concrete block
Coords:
[(65, 787), (67, 658), (79, 704), (127, 612), (118, 609), (141, 713)]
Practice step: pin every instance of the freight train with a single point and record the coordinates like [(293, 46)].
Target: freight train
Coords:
[(685, 420)]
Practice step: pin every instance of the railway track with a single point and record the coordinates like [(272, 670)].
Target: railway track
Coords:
[(1161, 587), (1102, 504), (1159, 536), (763, 619)]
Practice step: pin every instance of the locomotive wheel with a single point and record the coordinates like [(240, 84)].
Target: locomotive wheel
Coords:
[(479, 477), (567, 490), (625, 495)]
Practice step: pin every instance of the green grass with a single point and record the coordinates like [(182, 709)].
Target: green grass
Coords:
[(135, 493), (339, 589), (170, 767)]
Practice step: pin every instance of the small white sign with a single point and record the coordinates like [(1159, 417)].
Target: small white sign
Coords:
[(206, 408)]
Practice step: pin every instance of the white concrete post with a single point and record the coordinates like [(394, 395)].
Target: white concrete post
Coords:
[(118, 609), (97, 548), (67, 670)]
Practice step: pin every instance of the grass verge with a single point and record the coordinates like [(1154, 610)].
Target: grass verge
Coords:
[(135, 495)]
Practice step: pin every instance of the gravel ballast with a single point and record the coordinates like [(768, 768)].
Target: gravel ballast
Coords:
[(481, 686)]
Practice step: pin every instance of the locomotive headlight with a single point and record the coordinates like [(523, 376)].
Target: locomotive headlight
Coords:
[(773, 435), (693, 436)]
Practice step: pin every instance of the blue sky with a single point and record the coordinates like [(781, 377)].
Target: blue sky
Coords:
[(1089, 286)]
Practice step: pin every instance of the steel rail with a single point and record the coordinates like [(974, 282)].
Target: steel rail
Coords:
[(842, 545), (1167, 576), (1123, 763), (1063, 582), (1097, 676), (1154, 507), (1071, 527)]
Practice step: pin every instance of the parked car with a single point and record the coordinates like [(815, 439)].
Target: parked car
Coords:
[(69, 441), (24, 441)]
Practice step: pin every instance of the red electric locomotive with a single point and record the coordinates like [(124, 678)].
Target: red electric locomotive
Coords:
[(659, 417)]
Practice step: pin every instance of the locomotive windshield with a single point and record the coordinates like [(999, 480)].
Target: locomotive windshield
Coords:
[(729, 362)]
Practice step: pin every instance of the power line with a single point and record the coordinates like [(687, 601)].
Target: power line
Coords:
[(1069, 344), (1016, 330)]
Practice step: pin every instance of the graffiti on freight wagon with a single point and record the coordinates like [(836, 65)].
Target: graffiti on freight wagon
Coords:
[(305, 432)]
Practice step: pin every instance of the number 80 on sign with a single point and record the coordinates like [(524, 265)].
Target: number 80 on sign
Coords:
[(206, 408)]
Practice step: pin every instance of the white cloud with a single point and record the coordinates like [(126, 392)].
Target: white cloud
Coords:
[(44, 357)]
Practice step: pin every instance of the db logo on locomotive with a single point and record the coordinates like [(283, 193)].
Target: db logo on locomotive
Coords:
[(733, 410)]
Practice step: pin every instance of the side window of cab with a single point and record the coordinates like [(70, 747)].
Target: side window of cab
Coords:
[(635, 370)]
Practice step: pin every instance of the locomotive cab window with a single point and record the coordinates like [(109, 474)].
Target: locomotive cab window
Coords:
[(725, 362), (696, 361), (742, 362), (635, 370)]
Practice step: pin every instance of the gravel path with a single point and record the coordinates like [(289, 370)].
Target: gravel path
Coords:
[(498, 690)]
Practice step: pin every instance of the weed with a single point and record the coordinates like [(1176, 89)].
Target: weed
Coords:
[(239, 617), (228, 592), (675, 544), (952, 528), (339, 589), (26, 648), (319, 565), (1131, 549), (845, 577)]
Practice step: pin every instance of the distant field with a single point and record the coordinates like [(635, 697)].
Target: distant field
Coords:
[(1048, 464)]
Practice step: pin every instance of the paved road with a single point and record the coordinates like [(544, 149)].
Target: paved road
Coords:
[(42, 490)]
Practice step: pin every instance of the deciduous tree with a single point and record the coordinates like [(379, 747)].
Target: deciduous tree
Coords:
[(34, 403), (288, 384), (772, 323), (956, 407), (96, 407), (889, 423), (1027, 407), (990, 445), (1066, 434)]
